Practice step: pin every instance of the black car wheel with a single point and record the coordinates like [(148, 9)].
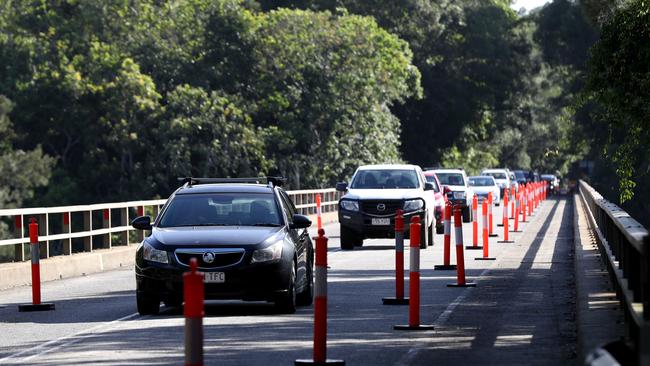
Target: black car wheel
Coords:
[(467, 214), (430, 242), (440, 229), (147, 304), (306, 296), (349, 239), (286, 303), (423, 234)]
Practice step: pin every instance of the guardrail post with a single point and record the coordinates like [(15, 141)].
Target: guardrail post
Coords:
[(88, 226), (106, 224), (124, 221), (67, 243), (19, 249), (644, 332)]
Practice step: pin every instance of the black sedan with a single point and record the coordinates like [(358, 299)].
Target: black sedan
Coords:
[(247, 238)]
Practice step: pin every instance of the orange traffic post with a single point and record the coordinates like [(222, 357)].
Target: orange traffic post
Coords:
[(505, 221), (34, 249), (320, 307), (399, 298), (490, 217), (524, 206), (529, 204), (474, 245), (486, 239), (446, 266), (319, 220), (414, 280), (193, 295), (460, 255), (517, 207), (513, 198)]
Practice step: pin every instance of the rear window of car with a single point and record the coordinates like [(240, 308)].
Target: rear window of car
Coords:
[(385, 179), (451, 179), (222, 209), (480, 181), (496, 175), (520, 174)]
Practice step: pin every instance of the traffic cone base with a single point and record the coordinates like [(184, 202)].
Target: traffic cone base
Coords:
[(466, 284), (493, 235), (444, 267), (326, 362), (471, 247), (36, 307), (395, 301), (413, 327), (485, 259), (505, 241)]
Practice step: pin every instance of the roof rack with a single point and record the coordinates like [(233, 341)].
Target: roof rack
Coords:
[(271, 181)]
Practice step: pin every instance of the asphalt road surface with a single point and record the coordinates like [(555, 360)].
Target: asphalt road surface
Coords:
[(521, 311)]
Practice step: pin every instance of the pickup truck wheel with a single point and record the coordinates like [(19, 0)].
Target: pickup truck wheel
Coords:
[(430, 242), (467, 214), (348, 238), (423, 234)]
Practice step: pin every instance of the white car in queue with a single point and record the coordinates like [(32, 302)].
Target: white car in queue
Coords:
[(502, 178), (483, 185)]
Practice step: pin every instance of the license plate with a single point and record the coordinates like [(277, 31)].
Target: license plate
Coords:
[(378, 221), (214, 277)]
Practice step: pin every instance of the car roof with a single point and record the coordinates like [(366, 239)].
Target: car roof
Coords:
[(481, 176), (225, 188), (388, 167), (449, 170), (495, 170)]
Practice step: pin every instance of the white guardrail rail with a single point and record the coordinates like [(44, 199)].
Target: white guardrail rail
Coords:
[(75, 229)]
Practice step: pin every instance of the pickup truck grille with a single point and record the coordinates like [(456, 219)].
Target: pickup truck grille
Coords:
[(372, 207)]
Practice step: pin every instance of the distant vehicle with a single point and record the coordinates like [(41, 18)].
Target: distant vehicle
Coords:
[(484, 184), (248, 239), (439, 197), (521, 176), (376, 192), (514, 185), (456, 187), (526, 176), (501, 176), (552, 183)]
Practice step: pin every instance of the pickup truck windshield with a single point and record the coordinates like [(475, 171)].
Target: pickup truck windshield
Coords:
[(481, 182), (385, 179), (496, 175), (221, 209), (450, 179)]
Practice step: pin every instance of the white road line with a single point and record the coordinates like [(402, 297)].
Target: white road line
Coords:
[(45, 350)]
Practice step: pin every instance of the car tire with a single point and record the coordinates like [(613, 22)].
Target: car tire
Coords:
[(467, 214), (423, 233), (440, 229), (147, 304), (173, 303), (286, 302), (349, 239), (306, 296), (430, 242)]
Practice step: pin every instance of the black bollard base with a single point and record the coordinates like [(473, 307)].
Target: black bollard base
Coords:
[(416, 327), (485, 258), (500, 225), (467, 284), (444, 267), (395, 301), (36, 307), (505, 241), (326, 362), (471, 247), (493, 235)]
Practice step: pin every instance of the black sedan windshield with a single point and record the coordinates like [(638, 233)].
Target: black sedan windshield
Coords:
[(221, 209)]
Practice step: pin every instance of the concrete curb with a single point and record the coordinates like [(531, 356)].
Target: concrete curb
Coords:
[(81, 264), (599, 319)]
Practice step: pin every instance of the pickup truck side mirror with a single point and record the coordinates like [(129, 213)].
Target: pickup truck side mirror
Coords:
[(445, 189), (428, 186), (342, 186)]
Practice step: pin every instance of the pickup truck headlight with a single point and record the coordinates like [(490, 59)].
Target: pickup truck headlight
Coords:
[(413, 205), (154, 255), (350, 205), (459, 195), (270, 253)]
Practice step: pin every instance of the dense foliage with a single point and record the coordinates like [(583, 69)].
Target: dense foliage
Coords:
[(111, 100)]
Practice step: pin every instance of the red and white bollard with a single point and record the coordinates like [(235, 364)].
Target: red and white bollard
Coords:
[(517, 208), (319, 220), (506, 223), (490, 217), (486, 239), (34, 250), (446, 266), (460, 256), (399, 298), (193, 295), (320, 307), (414, 280), (524, 206), (513, 199), (474, 245)]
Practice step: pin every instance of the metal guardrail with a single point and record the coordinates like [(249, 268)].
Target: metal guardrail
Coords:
[(74, 229), (625, 248)]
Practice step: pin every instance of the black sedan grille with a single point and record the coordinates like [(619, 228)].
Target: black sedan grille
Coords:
[(374, 207), (210, 258)]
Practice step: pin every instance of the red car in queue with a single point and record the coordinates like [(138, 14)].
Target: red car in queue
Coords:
[(440, 199)]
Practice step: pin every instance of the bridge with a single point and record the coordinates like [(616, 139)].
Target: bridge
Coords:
[(573, 279)]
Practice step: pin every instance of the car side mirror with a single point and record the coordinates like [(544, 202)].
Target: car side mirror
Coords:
[(428, 186), (342, 186), (445, 189), (300, 222), (142, 223)]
